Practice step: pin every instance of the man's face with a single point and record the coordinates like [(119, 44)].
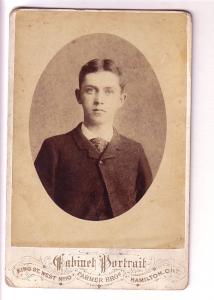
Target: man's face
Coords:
[(100, 95)]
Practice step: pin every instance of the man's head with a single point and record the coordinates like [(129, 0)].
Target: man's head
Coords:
[(101, 91)]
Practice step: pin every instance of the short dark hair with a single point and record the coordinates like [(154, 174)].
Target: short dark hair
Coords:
[(96, 65)]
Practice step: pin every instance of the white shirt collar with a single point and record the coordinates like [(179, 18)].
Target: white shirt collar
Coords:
[(106, 135)]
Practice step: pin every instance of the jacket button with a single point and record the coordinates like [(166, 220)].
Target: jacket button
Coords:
[(101, 162)]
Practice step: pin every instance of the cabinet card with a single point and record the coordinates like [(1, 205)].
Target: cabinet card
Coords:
[(98, 149)]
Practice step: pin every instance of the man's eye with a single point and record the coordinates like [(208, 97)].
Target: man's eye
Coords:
[(109, 91), (89, 90)]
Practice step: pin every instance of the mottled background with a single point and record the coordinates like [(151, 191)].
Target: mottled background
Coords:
[(55, 110)]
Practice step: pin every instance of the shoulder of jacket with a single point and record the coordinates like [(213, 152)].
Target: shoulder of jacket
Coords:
[(64, 136), (58, 139), (130, 142)]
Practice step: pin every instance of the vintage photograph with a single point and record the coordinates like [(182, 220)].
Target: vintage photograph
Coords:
[(99, 149), (94, 172)]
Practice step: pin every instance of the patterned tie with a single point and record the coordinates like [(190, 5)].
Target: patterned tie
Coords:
[(99, 143)]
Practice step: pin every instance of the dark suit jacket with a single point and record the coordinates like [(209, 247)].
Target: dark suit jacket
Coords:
[(90, 185)]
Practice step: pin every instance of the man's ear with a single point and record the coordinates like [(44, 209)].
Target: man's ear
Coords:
[(123, 98), (77, 93)]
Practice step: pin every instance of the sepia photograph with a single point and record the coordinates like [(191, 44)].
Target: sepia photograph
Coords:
[(94, 172)]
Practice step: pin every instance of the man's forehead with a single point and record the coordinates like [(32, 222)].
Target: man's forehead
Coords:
[(102, 78)]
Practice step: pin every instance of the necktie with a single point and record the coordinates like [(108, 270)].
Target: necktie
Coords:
[(99, 143)]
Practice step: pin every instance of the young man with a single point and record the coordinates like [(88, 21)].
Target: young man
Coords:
[(93, 172)]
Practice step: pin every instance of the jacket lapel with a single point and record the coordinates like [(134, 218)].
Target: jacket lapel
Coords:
[(113, 147), (83, 143)]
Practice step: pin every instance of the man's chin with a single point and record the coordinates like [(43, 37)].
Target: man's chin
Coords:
[(100, 121)]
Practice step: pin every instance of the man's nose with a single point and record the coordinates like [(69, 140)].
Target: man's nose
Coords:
[(98, 99)]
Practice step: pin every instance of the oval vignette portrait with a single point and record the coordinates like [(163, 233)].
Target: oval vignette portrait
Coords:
[(97, 127)]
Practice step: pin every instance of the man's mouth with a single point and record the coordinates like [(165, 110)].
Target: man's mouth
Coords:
[(98, 110)]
